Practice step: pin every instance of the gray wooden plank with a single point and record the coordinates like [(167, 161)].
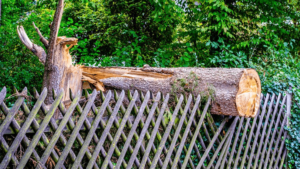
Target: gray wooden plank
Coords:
[(224, 121), (134, 127), (258, 131), (58, 131), (39, 132), (267, 139), (263, 132), (22, 132), (118, 133), (177, 132), (192, 143)]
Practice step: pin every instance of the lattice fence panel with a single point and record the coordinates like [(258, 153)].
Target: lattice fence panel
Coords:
[(139, 130)]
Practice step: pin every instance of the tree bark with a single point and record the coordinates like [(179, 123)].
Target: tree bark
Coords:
[(235, 91), (65, 75), (54, 70)]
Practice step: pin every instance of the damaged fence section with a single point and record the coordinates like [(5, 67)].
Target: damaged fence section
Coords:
[(139, 130)]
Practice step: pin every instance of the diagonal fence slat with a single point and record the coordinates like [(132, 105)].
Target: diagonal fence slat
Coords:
[(88, 126), (71, 125), (143, 132), (264, 131), (39, 132), (274, 132), (177, 132), (147, 134), (36, 126), (58, 135), (23, 130), (54, 126), (134, 127), (140, 130), (93, 129), (248, 142), (212, 142), (258, 131), (76, 130), (268, 133), (2, 140), (118, 134), (226, 138), (235, 140), (166, 134), (176, 159), (117, 125), (194, 136)]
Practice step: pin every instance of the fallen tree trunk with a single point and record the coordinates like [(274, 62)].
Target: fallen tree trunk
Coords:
[(234, 91)]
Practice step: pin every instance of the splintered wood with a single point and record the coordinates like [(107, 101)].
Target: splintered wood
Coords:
[(236, 91)]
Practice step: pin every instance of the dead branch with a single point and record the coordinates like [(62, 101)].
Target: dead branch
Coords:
[(42, 38), (35, 49)]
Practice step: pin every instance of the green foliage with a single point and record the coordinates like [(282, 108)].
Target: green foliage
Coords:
[(260, 34), (18, 67)]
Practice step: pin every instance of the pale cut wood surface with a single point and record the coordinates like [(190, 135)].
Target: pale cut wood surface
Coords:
[(237, 91)]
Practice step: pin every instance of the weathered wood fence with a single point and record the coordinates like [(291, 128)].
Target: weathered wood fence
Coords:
[(140, 131)]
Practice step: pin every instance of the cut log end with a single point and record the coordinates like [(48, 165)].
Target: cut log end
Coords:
[(248, 96)]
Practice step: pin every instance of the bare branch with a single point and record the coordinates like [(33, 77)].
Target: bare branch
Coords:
[(42, 39), (35, 49), (53, 34)]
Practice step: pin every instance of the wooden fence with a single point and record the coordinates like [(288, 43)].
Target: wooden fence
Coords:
[(136, 130)]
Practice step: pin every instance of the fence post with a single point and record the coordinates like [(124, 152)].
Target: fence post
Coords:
[(288, 111), (288, 106)]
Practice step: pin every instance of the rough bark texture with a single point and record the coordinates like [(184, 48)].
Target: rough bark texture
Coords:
[(54, 70), (63, 74), (236, 91)]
